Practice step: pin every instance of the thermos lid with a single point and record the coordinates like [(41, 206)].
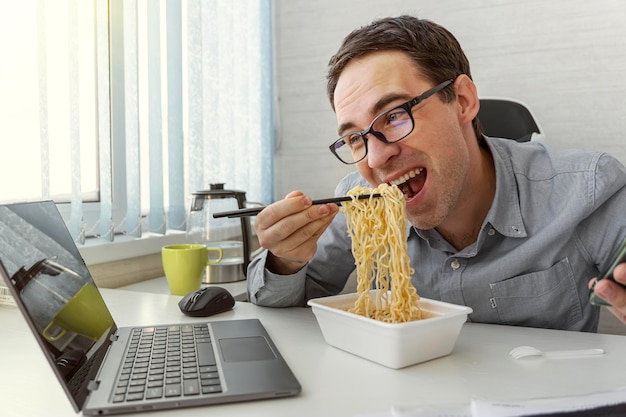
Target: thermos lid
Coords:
[(217, 190)]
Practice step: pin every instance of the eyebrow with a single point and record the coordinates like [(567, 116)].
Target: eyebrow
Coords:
[(378, 108)]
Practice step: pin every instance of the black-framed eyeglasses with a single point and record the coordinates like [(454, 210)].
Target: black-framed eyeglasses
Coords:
[(390, 126)]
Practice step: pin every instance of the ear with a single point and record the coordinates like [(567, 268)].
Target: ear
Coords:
[(467, 98)]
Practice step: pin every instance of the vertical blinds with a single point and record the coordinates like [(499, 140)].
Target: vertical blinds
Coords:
[(190, 104)]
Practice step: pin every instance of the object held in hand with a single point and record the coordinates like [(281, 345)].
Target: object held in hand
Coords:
[(253, 211), (620, 257)]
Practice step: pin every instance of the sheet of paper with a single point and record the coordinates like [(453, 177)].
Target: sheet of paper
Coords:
[(448, 410), (438, 410), (484, 408)]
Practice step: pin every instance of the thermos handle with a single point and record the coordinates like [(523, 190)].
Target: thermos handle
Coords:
[(247, 234)]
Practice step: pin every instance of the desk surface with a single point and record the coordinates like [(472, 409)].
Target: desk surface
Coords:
[(335, 383), (159, 286)]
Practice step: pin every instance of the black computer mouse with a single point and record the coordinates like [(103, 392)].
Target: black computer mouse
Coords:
[(206, 302)]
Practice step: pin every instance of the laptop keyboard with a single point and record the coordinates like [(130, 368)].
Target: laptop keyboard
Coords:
[(168, 362)]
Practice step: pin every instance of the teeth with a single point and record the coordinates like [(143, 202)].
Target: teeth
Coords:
[(406, 177)]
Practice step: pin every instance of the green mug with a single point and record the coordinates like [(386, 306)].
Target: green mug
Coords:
[(184, 265), (85, 313)]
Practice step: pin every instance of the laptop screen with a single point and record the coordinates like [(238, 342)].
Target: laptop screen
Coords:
[(52, 286)]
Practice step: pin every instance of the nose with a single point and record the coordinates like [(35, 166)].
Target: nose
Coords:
[(378, 152)]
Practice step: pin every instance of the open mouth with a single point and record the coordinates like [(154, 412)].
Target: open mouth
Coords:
[(411, 183)]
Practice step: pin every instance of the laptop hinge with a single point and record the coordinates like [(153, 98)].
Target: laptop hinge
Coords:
[(93, 385), (114, 337)]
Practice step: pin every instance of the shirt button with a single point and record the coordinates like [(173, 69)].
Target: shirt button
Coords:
[(455, 264), (491, 232)]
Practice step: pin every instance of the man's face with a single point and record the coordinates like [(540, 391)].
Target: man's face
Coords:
[(431, 164)]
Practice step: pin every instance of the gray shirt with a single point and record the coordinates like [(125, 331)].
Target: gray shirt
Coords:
[(556, 220)]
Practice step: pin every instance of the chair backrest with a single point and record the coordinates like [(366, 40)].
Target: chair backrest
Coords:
[(506, 118)]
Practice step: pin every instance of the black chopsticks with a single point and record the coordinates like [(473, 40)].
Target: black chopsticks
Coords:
[(253, 211)]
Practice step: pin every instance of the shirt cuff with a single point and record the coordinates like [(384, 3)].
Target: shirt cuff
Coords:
[(270, 289)]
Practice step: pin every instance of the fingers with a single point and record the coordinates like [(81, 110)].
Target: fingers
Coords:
[(293, 203), (613, 293), (620, 273), (291, 253), (290, 228), (297, 235)]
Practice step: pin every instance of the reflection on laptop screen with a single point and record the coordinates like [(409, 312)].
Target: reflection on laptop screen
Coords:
[(49, 276), (109, 370)]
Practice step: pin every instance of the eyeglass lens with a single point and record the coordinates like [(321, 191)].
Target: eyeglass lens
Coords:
[(392, 125)]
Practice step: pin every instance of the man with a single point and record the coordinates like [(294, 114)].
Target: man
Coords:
[(515, 231)]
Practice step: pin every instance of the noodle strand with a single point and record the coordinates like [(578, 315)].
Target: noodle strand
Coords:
[(377, 228)]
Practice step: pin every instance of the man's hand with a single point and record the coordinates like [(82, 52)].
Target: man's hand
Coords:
[(613, 293), (290, 229)]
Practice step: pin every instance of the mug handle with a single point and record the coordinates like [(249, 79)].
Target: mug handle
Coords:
[(211, 261), (55, 337)]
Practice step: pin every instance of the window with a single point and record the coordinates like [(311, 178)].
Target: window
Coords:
[(48, 101), (119, 110)]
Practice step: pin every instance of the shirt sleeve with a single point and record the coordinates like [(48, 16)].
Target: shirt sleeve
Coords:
[(270, 289), (605, 228), (326, 274)]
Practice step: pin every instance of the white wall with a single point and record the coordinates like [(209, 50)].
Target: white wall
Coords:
[(566, 59)]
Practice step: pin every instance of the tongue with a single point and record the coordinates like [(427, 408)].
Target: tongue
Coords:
[(414, 185)]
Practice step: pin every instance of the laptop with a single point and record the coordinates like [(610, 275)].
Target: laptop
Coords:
[(105, 369)]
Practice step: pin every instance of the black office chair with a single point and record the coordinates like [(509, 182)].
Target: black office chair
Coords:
[(506, 118)]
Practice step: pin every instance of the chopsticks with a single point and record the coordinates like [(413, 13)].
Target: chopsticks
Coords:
[(253, 211)]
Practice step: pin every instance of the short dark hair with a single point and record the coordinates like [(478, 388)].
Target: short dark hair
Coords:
[(435, 51)]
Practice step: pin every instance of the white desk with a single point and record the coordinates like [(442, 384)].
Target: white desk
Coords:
[(238, 289), (335, 383)]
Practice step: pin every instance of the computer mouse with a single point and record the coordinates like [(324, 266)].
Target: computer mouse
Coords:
[(206, 301)]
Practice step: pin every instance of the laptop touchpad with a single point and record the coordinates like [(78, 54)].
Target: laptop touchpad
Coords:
[(241, 349)]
